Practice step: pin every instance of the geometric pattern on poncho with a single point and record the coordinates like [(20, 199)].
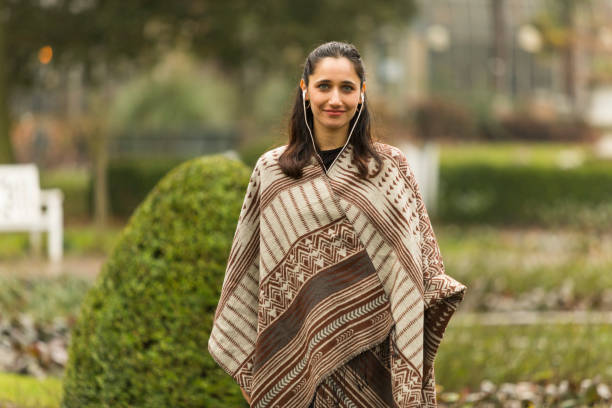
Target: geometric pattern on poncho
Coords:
[(338, 309), (311, 253), (326, 275)]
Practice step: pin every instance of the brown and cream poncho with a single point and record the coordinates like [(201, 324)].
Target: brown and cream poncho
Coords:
[(335, 290)]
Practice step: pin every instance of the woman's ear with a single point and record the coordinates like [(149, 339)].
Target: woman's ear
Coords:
[(303, 85)]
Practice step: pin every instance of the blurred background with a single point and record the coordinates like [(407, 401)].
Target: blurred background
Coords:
[(504, 108)]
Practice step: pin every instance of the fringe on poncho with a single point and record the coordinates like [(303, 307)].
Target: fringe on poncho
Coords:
[(335, 292)]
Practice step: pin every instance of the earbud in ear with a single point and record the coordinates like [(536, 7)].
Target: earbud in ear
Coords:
[(362, 97), (303, 93)]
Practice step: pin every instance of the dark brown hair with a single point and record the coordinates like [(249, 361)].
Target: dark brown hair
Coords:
[(300, 149)]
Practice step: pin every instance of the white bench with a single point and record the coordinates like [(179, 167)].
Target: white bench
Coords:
[(24, 207)]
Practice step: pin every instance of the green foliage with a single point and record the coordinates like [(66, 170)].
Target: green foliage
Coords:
[(525, 195), (43, 298), (525, 185), (74, 184), (555, 22), (28, 392), (250, 150), (504, 154), (528, 269), (142, 334), (175, 96), (130, 180), (13, 245), (469, 355), (89, 240), (79, 240)]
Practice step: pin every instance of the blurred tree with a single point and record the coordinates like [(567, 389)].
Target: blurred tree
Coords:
[(106, 37), (6, 151), (557, 24)]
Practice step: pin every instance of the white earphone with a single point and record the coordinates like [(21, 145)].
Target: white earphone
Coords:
[(310, 130)]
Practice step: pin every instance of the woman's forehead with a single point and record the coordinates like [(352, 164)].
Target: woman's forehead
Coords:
[(335, 69)]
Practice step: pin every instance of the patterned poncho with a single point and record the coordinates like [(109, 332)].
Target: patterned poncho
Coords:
[(335, 292)]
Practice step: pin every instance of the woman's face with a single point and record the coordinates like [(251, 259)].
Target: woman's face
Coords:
[(334, 93)]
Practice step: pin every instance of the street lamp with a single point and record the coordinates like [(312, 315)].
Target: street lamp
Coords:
[(529, 38), (438, 37)]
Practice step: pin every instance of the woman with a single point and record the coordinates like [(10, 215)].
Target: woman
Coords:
[(335, 292)]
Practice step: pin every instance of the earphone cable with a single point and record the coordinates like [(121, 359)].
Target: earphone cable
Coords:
[(312, 137)]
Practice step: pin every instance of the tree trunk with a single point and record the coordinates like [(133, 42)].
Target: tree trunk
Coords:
[(568, 60), (6, 148), (500, 54), (100, 161)]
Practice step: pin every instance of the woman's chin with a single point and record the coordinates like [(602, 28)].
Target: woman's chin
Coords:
[(333, 125)]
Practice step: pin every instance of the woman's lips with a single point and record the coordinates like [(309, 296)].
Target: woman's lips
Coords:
[(334, 112)]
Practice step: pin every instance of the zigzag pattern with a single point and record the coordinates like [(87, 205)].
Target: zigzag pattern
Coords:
[(324, 334), (244, 375), (406, 383), (306, 257), (429, 390), (441, 287)]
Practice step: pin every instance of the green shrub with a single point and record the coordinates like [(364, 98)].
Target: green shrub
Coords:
[(141, 338), (74, 184), (526, 194), (42, 297), (130, 180), (79, 240)]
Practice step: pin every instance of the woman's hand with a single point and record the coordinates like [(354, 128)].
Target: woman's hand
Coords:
[(246, 396)]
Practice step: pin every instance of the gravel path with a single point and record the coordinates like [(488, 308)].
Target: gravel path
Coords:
[(83, 266)]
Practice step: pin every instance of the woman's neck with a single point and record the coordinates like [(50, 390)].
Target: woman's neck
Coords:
[(328, 140)]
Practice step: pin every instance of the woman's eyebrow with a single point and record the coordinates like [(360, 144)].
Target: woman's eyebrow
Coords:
[(346, 81)]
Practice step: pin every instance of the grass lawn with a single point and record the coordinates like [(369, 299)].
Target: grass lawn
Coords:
[(29, 392), (43, 298), (80, 240), (469, 355), (545, 269), (513, 153)]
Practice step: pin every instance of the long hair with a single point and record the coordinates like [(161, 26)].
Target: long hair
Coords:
[(300, 150)]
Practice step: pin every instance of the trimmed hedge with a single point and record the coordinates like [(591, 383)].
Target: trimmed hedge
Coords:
[(529, 194), (141, 337), (130, 180), (74, 185)]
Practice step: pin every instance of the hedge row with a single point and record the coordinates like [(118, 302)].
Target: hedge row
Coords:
[(526, 195), (469, 192), (130, 180)]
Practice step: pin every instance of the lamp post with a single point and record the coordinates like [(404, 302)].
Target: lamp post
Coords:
[(529, 40)]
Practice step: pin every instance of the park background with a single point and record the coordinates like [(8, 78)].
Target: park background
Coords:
[(509, 99)]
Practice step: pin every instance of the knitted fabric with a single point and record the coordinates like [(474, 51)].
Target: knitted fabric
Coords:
[(335, 289)]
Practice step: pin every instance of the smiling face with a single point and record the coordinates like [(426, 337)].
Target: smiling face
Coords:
[(334, 94)]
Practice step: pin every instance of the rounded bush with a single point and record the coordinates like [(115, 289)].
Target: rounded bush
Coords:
[(142, 333)]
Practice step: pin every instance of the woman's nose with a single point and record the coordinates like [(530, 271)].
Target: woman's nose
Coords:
[(334, 98)]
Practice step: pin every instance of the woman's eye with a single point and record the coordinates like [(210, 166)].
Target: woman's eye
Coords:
[(323, 86), (347, 88)]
